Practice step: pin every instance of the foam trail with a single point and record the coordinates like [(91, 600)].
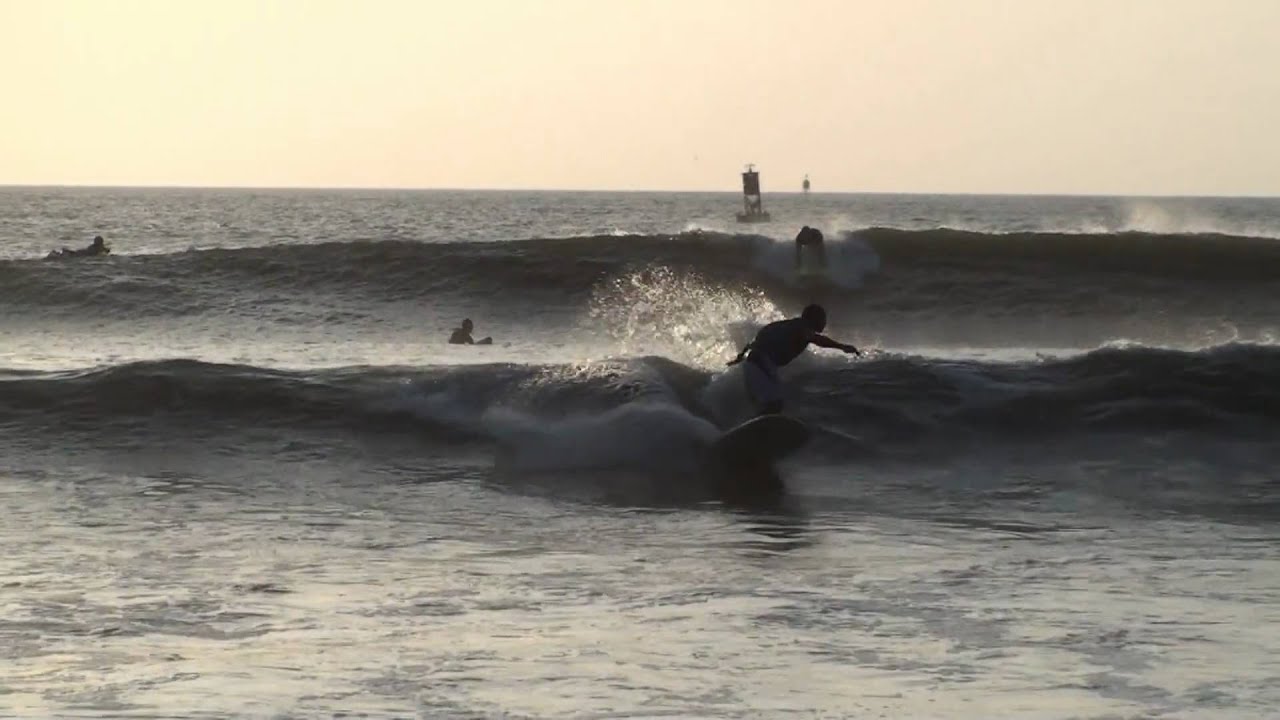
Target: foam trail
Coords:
[(652, 434), (649, 436), (444, 408)]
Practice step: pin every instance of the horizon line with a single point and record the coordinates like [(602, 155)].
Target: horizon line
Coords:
[(393, 188)]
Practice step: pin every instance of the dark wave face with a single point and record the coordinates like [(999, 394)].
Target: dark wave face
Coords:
[(1155, 277), (1229, 391), (1206, 257), (887, 280)]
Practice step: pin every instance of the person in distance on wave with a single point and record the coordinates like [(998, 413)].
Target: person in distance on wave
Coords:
[(777, 344), (462, 335), (811, 237), (99, 247)]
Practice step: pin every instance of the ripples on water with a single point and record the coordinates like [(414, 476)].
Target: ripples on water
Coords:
[(353, 518)]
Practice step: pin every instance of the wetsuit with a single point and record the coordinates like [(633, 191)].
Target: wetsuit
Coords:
[(777, 344)]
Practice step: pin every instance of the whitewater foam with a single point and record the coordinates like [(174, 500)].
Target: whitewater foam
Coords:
[(646, 435), (651, 433), (676, 314)]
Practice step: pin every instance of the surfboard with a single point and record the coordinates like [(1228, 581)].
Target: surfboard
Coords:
[(761, 441)]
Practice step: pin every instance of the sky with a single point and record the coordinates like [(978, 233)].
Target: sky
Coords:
[(1129, 97)]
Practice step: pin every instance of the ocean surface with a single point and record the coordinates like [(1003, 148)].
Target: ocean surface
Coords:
[(244, 475)]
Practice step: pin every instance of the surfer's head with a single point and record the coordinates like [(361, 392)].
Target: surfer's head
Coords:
[(98, 241), (466, 324), (815, 316)]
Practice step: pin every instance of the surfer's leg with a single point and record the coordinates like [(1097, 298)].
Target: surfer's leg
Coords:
[(763, 388)]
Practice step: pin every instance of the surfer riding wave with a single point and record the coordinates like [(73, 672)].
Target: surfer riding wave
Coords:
[(777, 344), (809, 237)]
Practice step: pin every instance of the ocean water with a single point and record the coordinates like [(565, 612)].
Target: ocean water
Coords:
[(245, 476)]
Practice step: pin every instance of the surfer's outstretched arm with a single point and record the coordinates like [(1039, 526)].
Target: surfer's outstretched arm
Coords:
[(823, 341)]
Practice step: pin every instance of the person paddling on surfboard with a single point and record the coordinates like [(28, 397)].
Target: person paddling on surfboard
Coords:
[(777, 344), (462, 335), (99, 247)]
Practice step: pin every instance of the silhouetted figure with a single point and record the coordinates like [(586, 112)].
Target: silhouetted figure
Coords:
[(462, 335), (99, 247), (812, 238), (777, 344)]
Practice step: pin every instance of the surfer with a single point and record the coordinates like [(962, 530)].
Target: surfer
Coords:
[(99, 247), (777, 344), (462, 335), (811, 237)]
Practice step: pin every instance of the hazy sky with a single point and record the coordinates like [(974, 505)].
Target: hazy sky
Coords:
[(1086, 96)]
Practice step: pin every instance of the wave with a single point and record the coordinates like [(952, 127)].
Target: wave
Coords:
[(1142, 390), (628, 408), (381, 270), (402, 270), (683, 295), (1194, 256)]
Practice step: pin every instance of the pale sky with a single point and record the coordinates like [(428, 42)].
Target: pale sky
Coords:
[(1013, 96)]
